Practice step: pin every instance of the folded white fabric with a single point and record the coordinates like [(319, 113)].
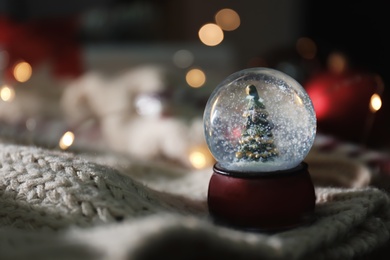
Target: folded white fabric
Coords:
[(56, 205)]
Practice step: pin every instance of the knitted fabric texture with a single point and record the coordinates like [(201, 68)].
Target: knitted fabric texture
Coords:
[(56, 205)]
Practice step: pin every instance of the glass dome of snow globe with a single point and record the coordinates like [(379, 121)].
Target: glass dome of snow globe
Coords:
[(259, 120)]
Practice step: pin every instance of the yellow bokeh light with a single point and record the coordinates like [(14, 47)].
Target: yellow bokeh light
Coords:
[(22, 71), (198, 160), (210, 34), (200, 157), (375, 103), (66, 140), (7, 93), (195, 78), (227, 19), (306, 47)]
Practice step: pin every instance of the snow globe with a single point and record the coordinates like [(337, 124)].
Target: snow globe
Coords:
[(259, 125)]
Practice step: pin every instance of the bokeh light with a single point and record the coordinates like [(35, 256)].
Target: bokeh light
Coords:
[(183, 58), (375, 103), (66, 140), (337, 62), (200, 157), (227, 19), (306, 48), (7, 93), (22, 71), (211, 34), (196, 78)]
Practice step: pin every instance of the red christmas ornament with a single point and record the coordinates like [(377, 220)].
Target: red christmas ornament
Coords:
[(341, 101)]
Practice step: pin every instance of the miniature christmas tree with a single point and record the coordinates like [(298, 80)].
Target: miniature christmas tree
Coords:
[(256, 141)]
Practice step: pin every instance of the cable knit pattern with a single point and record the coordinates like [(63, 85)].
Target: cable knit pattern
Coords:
[(56, 205), (42, 189)]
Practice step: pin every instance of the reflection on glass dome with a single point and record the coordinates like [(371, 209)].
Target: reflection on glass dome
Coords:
[(259, 120)]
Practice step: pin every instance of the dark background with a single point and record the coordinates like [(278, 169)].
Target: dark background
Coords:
[(358, 29)]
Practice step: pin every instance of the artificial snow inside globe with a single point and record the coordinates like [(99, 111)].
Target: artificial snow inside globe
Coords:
[(260, 125)]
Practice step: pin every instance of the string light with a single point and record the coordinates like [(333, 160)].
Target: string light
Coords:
[(7, 93), (210, 34), (195, 78), (66, 140), (227, 19), (22, 71)]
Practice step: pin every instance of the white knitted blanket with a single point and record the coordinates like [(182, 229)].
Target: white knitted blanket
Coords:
[(57, 205)]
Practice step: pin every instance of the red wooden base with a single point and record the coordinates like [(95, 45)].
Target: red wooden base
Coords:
[(265, 201)]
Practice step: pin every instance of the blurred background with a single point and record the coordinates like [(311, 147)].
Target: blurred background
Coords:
[(134, 76)]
